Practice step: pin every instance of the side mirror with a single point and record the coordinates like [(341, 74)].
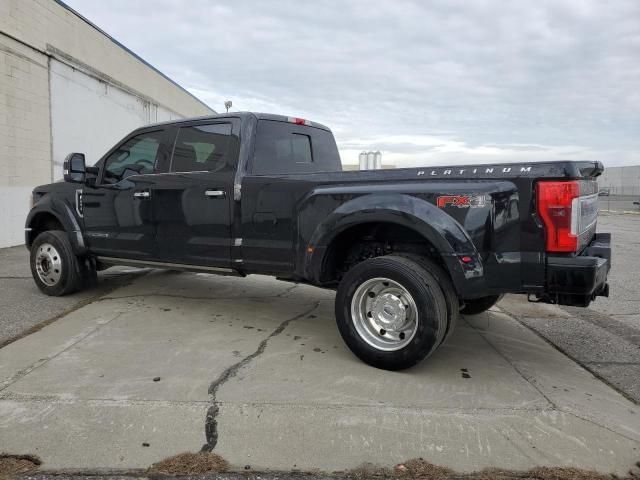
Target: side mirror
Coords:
[(74, 168)]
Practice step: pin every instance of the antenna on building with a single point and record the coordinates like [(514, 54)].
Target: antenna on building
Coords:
[(227, 105)]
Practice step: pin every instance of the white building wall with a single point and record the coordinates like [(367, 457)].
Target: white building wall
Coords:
[(66, 86), (25, 140), (49, 27), (89, 115)]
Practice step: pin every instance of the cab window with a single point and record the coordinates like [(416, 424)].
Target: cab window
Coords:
[(283, 147), (136, 156), (204, 148)]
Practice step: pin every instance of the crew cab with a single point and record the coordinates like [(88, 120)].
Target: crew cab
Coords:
[(407, 250)]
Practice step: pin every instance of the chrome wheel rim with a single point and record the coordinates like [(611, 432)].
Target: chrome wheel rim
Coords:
[(48, 264), (384, 314)]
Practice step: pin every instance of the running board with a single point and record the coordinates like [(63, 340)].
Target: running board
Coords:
[(169, 266)]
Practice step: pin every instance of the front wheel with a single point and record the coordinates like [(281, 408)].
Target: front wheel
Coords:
[(54, 267), (391, 312)]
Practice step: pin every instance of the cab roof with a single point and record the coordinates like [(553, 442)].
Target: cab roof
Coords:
[(242, 116)]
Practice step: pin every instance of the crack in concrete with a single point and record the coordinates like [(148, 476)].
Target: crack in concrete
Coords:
[(211, 423)]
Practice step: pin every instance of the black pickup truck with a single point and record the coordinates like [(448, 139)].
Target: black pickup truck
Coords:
[(407, 250)]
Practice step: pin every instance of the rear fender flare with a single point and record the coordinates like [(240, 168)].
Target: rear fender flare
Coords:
[(441, 230)]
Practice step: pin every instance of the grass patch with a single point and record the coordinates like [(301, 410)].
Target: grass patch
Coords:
[(420, 469), (190, 464), (15, 464), (563, 473), (368, 470)]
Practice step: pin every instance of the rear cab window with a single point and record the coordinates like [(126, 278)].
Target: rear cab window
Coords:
[(208, 147), (283, 147)]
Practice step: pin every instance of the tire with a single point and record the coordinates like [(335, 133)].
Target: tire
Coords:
[(479, 305), (54, 267), (446, 285), (391, 312)]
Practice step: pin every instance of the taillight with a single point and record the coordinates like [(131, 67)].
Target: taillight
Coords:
[(568, 211)]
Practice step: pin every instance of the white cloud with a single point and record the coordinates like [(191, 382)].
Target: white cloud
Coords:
[(441, 81)]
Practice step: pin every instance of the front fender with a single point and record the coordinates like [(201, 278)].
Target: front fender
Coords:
[(441, 230), (49, 205)]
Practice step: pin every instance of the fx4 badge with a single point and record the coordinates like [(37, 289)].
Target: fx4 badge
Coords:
[(462, 201)]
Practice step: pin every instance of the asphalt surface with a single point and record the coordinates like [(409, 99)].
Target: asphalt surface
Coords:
[(254, 369)]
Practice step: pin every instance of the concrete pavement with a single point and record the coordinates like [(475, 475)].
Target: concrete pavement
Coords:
[(255, 369), (23, 308)]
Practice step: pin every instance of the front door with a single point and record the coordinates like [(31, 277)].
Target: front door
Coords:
[(118, 210), (193, 202)]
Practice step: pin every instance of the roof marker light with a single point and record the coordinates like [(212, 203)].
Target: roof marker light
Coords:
[(299, 121)]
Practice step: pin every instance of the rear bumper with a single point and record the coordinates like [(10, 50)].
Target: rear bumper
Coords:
[(578, 280)]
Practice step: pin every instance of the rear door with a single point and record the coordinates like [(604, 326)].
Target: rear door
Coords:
[(192, 204), (284, 152), (117, 210)]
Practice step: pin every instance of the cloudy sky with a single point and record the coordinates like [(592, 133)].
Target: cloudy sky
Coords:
[(426, 82)]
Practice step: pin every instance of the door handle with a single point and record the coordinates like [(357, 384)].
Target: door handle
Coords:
[(215, 193), (144, 194)]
